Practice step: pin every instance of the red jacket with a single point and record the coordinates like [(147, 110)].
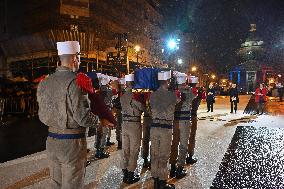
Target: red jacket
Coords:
[(263, 92), (99, 108)]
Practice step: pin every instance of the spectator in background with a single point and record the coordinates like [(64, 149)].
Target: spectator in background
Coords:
[(234, 97), (260, 98), (203, 95), (280, 90), (210, 98)]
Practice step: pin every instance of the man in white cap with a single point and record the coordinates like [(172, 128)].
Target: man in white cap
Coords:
[(162, 104), (181, 128), (65, 110), (192, 80), (132, 109), (102, 132)]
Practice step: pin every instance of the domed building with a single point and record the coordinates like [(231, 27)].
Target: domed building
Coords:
[(252, 58)]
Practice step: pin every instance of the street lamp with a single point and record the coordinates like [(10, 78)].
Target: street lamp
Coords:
[(213, 76), (179, 61), (193, 69), (172, 44), (137, 49)]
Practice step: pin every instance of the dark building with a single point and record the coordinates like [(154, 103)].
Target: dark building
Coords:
[(29, 30)]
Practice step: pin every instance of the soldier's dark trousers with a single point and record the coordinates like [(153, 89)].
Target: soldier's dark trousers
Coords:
[(161, 139), (180, 139), (66, 161), (118, 131), (131, 141), (191, 141), (146, 136), (99, 135)]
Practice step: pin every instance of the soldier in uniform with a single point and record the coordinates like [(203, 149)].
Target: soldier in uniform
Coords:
[(106, 90), (117, 107), (65, 110), (102, 131), (181, 129), (132, 109), (195, 104), (162, 104)]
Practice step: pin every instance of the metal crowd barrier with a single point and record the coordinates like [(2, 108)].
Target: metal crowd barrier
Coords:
[(20, 105)]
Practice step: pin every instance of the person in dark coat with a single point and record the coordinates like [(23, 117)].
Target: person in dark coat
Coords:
[(210, 98), (234, 98), (280, 89)]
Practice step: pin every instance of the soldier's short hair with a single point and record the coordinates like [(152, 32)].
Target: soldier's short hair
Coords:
[(64, 57)]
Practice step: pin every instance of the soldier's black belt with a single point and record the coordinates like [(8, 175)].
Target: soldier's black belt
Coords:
[(182, 112), (182, 118), (130, 118), (66, 136), (125, 115), (165, 126), (134, 121)]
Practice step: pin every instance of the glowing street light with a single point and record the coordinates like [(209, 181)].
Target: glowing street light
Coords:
[(179, 61), (137, 48), (193, 69), (172, 44), (213, 76)]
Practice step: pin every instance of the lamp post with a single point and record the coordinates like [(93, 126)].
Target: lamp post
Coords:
[(137, 50)]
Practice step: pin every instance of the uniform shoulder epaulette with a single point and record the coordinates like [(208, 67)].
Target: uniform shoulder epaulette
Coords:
[(85, 83)]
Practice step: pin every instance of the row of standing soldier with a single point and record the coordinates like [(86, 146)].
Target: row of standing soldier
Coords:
[(170, 120), (171, 129)]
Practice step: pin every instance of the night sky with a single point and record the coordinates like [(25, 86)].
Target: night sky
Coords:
[(218, 27)]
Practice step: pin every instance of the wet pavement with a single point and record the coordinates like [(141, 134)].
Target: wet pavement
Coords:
[(216, 134), (21, 136), (254, 159)]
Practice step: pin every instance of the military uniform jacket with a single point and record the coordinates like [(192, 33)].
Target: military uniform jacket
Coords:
[(162, 104), (62, 105), (183, 108), (107, 94), (131, 108)]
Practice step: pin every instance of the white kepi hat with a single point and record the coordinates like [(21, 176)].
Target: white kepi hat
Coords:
[(68, 47), (168, 74), (99, 75), (181, 78), (121, 81), (192, 79), (163, 76), (113, 78), (129, 77), (104, 79)]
